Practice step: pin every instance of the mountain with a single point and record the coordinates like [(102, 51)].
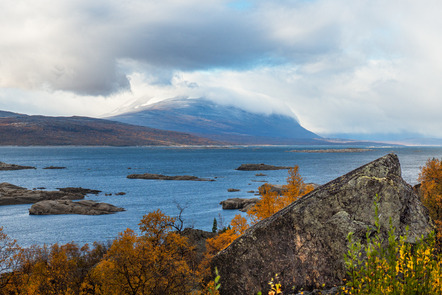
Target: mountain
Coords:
[(19, 129), (230, 124)]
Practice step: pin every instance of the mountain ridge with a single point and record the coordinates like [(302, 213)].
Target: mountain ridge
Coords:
[(36, 130)]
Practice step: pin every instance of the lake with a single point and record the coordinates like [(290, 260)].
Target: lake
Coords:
[(106, 168)]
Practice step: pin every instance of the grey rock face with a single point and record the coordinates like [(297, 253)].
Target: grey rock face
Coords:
[(304, 243), (12, 195), (83, 207)]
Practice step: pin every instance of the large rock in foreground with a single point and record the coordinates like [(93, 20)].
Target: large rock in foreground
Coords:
[(13, 195), (305, 242), (83, 207)]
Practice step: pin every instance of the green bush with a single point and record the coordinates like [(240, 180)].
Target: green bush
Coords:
[(393, 267)]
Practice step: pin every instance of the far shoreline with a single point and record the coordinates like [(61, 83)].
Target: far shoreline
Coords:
[(344, 150)]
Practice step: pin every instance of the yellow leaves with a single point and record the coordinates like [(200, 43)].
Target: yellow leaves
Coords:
[(238, 226), (431, 191), (295, 187), (154, 263), (271, 202)]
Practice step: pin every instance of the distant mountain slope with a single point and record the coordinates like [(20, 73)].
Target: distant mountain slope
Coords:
[(18, 129), (205, 118)]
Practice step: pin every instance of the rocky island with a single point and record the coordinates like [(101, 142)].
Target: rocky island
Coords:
[(14, 195), (257, 167), (54, 168), (242, 205), (7, 167), (83, 207), (167, 177)]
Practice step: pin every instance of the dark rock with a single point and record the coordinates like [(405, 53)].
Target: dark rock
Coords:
[(6, 166), (166, 177), (120, 194), (231, 190), (255, 167), (305, 242), (197, 238), (418, 189), (13, 195), (83, 207), (260, 174), (238, 203), (79, 190), (54, 167)]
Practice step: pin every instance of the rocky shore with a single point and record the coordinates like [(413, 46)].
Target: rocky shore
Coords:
[(83, 207), (166, 177)]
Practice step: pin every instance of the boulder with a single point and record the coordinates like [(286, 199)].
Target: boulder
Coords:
[(83, 207), (257, 167), (237, 203), (6, 166), (13, 195), (166, 177), (305, 242)]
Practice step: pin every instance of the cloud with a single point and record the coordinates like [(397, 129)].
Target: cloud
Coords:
[(338, 66)]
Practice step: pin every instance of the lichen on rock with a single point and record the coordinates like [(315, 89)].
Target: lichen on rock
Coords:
[(305, 242)]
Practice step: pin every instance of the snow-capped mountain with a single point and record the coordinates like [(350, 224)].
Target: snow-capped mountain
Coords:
[(219, 122)]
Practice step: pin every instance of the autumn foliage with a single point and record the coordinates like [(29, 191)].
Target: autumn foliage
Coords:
[(271, 202), (159, 260), (431, 191)]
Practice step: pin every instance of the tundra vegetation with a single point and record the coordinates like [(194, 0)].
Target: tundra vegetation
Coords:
[(160, 260)]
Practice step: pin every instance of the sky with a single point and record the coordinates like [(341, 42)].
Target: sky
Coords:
[(339, 67)]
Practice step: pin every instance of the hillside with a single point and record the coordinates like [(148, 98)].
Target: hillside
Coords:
[(24, 130), (205, 118)]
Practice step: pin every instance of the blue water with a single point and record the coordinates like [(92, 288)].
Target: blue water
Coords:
[(106, 168)]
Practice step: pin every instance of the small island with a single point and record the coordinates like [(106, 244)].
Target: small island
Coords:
[(54, 167), (14, 195), (7, 167), (257, 167), (83, 207), (166, 177)]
